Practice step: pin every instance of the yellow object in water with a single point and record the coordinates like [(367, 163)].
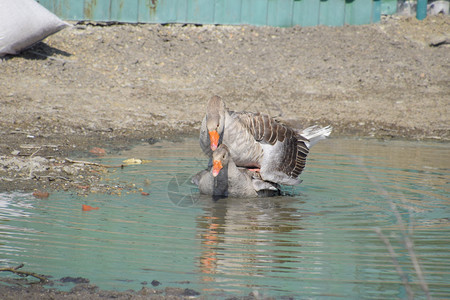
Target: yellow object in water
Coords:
[(135, 161)]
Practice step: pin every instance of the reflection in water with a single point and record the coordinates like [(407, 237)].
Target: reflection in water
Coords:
[(239, 236)]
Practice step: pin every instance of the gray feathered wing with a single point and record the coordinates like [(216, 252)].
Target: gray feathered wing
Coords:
[(266, 130)]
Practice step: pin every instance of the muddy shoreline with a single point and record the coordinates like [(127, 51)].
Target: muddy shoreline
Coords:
[(92, 292)]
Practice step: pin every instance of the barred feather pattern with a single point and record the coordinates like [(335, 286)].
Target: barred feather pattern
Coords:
[(268, 130)]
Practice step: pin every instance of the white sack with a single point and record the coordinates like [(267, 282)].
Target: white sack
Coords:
[(24, 23)]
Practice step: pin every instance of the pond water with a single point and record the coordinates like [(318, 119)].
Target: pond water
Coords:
[(319, 242)]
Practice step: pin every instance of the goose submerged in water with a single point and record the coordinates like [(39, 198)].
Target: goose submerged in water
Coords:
[(225, 179), (258, 141)]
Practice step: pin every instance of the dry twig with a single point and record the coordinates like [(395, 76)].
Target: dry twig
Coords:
[(398, 268), (407, 241), (35, 151), (16, 270), (92, 163)]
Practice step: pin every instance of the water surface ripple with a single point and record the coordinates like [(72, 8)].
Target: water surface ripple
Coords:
[(318, 242)]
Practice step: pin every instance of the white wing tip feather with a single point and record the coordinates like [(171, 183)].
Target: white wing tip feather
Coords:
[(315, 134)]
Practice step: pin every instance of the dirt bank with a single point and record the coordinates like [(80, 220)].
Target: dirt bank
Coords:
[(110, 86)]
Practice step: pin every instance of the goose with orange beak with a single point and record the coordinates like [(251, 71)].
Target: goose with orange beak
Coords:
[(213, 125), (217, 166), (224, 178), (257, 141)]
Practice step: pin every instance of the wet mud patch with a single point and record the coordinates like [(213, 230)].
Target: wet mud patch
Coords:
[(90, 292), (39, 173), (26, 286), (64, 163)]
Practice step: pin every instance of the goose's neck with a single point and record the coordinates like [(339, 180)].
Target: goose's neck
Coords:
[(232, 169), (220, 187)]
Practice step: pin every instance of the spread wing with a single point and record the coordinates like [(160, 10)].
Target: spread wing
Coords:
[(267, 130)]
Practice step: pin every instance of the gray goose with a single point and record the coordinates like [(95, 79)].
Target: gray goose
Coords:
[(256, 140), (225, 179)]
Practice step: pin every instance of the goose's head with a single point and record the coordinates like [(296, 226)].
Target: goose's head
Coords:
[(215, 119), (221, 157)]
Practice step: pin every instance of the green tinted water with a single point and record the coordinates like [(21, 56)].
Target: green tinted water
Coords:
[(318, 243)]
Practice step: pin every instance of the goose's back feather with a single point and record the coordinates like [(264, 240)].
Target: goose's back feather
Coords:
[(285, 150)]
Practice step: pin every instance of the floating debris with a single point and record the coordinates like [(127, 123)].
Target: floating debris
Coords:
[(85, 207), (135, 161)]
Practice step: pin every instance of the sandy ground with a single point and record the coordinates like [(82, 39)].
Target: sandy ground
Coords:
[(112, 86)]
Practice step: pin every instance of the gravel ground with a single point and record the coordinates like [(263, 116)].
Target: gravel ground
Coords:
[(113, 86)]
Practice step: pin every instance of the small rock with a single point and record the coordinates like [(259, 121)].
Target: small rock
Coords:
[(15, 152), (98, 151), (155, 282), (190, 292), (41, 194), (70, 170), (438, 41), (76, 280)]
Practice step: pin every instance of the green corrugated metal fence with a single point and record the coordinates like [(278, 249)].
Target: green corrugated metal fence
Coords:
[(282, 13)]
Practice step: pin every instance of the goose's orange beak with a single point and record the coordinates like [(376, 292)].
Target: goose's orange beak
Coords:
[(217, 166), (214, 138)]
